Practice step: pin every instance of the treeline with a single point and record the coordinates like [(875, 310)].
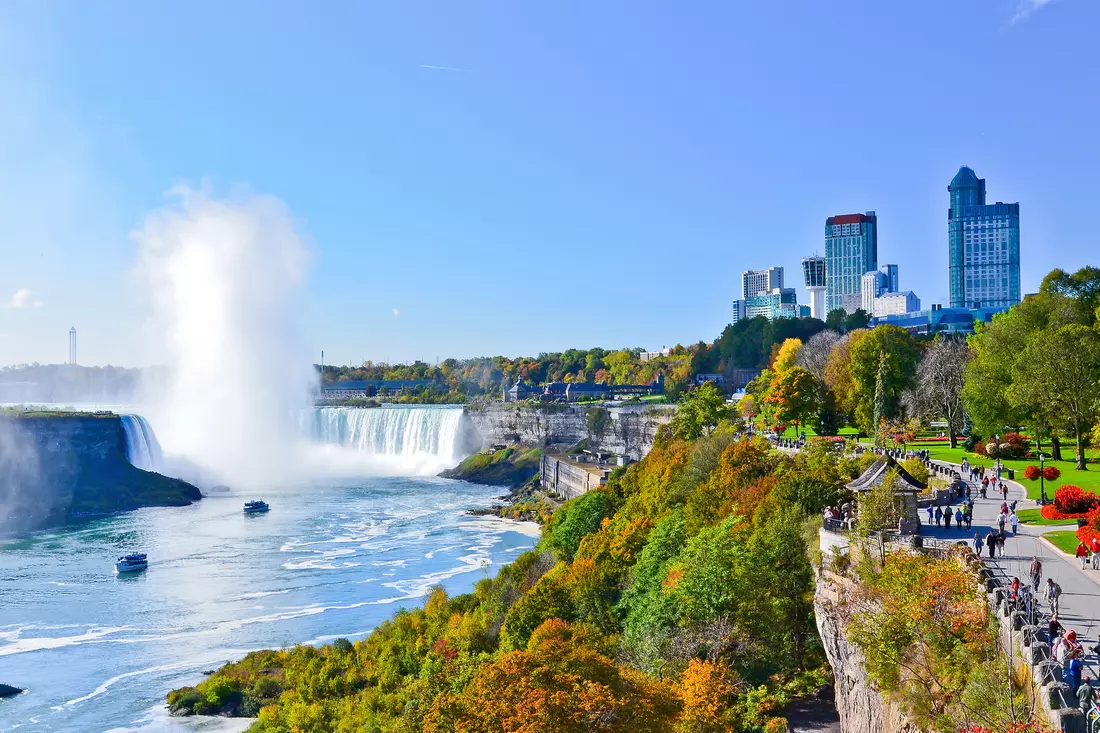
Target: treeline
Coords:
[(747, 344), (73, 383)]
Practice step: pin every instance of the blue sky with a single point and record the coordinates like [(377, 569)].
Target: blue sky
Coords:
[(522, 177)]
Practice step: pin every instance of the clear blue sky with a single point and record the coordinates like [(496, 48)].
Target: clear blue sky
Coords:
[(579, 174)]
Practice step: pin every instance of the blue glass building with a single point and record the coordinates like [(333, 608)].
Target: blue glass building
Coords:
[(983, 246), (851, 249)]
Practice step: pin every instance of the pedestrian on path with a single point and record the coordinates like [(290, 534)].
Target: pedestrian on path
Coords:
[(1053, 595), (1004, 491), (1095, 547), (1082, 554), (1072, 675), (947, 518), (1085, 695), (969, 515), (959, 517), (1014, 520), (929, 515), (1036, 573), (978, 547), (939, 516), (1001, 518), (991, 543), (1054, 632), (1001, 537)]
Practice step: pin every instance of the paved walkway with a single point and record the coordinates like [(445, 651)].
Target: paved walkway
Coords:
[(1079, 609)]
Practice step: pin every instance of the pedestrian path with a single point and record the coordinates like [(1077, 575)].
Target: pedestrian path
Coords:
[(1079, 608)]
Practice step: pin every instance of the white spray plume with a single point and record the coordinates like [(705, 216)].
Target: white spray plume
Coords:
[(225, 277)]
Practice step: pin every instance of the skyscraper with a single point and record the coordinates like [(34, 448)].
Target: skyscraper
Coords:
[(851, 249), (813, 270), (983, 242), (763, 294)]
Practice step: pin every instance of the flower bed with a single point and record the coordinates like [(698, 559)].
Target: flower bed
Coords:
[(1071, 499), (1050, 511)]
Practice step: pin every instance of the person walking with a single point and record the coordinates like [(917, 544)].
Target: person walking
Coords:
[(939, 516), (1095, 547), (930, 515), (1082, 554), (947, 518), (959, 517), (1035, 570), (991, 543), (969, 515), (978, 544), (1004, 491), (1001, 537), (1014, 521), (1085, 695), (1053, 596), (1072, 674), (1001, 519)]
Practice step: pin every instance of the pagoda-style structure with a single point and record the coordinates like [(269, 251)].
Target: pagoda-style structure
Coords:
[(906, 489)]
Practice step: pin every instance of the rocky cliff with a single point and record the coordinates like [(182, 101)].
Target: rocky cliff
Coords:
[(626, 430), (56, 466), (862, 709)]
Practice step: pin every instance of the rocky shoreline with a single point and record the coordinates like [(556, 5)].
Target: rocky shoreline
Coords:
[(516, 468)]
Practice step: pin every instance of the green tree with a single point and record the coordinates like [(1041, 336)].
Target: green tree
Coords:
[(858, 319), (700, 411), (1061, 369), (836, 318), (882, 398), (891, 350)]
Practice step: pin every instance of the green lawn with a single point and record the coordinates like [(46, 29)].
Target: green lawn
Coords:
[(1033, 516), (1087, 480), (791, 432), (1064, 539)]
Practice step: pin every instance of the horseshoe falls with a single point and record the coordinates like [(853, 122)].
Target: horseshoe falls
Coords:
[(142, 447)]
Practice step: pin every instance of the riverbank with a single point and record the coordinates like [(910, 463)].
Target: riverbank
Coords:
[(516, 468)]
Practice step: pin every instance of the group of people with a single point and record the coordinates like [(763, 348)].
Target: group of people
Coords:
[(994, 542), (844, 513), (942, 516), (1068, 652), (1088, 552), (987, 479)]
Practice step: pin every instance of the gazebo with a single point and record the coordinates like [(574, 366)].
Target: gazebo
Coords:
[(906, 489)]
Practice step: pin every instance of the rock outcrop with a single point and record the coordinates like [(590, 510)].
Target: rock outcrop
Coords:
[(59, 466), (862, 709), (626, 430)]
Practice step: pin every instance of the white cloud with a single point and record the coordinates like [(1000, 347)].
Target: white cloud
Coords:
[(1025, 8), (24, 299), (396, 313)]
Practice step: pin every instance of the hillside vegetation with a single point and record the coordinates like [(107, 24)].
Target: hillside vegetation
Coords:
[(678, 597)]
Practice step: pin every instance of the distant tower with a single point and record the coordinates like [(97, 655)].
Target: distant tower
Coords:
[(813, 269), (72, 345)]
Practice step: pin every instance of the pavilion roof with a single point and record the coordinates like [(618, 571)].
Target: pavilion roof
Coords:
[(877, 471)]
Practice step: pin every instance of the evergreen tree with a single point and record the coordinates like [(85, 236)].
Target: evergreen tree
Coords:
[(882, 398)]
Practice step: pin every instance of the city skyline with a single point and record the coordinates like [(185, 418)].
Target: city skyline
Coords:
[(433, 162)]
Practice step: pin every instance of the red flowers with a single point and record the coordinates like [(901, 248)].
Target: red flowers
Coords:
[(1070, 499), (1051, 473), (1032, 473)]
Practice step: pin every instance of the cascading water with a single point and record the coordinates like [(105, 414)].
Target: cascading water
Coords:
[(415, 433), (142, 447)]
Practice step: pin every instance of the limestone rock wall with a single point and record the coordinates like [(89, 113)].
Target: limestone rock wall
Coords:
[(862, 709), (626, 430), (58, 466)]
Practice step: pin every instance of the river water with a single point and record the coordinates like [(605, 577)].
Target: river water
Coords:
[(99, 652)]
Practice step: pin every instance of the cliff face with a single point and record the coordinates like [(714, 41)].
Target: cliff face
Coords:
[(862, 709), (58, 466), (627, 430)]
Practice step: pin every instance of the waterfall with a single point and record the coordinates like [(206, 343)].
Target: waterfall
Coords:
[(142, 447), (393, 431)]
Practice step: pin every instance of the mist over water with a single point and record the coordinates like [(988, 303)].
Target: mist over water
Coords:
[(224, 277)]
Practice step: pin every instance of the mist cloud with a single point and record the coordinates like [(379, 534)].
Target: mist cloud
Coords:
[(224, 277), (23, 298)]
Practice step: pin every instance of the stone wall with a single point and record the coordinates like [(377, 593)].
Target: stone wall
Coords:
[(626, 430)]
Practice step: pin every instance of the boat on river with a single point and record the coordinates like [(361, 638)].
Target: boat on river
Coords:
[(256, 507), (132, 563)]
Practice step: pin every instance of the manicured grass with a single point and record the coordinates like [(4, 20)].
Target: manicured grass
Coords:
[(1064, 539), (1087, 480), (1033, 516), (811, 433)]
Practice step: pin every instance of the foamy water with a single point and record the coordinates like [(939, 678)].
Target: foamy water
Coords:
[(98, 652)]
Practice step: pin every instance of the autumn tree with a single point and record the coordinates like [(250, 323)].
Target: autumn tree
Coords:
[(814, 354), (793, 396), (838, 372), (787, 355)]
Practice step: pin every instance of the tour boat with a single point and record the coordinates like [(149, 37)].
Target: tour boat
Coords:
[(255, 507), (132, 563)]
